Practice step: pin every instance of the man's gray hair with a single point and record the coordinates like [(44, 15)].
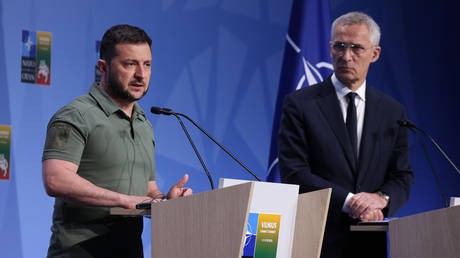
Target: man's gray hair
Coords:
[(359, 18)]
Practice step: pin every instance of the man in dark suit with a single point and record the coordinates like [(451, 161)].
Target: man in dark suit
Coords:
[(357, 149)]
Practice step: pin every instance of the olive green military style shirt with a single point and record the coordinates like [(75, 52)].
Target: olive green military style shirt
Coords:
[(112, 151)]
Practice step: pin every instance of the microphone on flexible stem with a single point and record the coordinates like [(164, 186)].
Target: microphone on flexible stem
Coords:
[(161, 111), (222, 147), (412, 127), (167, 111), (409, 124)]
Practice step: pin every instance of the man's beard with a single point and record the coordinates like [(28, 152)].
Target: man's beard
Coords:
[(117, 91)]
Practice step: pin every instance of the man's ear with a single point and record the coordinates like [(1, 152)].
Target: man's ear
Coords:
[(376, 53), (102, 65)]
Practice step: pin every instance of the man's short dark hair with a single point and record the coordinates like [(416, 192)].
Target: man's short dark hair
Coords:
[(122, 33)]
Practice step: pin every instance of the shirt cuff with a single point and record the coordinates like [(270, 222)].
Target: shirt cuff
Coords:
[(345, 207)]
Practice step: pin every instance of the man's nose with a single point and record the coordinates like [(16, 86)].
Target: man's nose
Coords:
[(140, 71), (347, 54)]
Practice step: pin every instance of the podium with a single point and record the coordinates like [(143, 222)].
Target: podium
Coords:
[(215, 223), (429, 234), (425, 235)]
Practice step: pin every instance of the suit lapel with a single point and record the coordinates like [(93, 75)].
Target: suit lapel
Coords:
[(330, 107), (372, 117)]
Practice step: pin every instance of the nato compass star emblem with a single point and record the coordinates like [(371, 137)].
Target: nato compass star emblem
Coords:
[(28, 43), (250, 235)]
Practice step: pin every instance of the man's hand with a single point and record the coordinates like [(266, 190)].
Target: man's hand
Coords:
[(130, 201), (363, 202), (371, 215), (178, 189)]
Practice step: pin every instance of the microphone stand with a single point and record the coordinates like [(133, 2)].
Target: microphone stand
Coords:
[(220, 145), (195, 149), (168, 112), (436, 145), (431, 166), (412, 126)]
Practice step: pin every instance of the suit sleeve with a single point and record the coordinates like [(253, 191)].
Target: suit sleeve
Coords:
[(294, 154)]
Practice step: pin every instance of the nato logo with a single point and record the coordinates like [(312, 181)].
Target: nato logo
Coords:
[(251, 235), (310, 74), (29, 43)]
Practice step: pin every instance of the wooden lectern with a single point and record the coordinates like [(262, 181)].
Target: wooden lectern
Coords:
[(425, 235), (429, 234), (213, 224)]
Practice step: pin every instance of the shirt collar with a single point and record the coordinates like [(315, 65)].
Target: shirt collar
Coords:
[(138, 112), (109, 106), (343, 90)]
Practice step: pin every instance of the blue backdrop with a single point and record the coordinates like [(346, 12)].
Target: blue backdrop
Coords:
[(218, 61)]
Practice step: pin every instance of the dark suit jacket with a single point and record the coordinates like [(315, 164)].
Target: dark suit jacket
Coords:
[(315, 151)]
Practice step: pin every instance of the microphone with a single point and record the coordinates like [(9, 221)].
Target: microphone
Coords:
[(413, 128), (400, 122), (161, 111), (409, 124), (167, 111)]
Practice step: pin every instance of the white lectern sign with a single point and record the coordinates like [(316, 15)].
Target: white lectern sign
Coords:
[(271, 221)]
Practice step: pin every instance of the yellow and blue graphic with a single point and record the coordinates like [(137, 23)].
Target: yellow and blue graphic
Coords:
[(262, 235), (36, 57), (5, 141)]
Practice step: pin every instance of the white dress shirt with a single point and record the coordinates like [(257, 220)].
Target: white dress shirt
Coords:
[(360, 103)]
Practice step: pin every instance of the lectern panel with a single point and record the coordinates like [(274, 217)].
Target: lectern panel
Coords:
[(209, 225)]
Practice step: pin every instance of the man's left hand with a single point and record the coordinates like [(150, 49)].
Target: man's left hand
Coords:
[(178, 189)]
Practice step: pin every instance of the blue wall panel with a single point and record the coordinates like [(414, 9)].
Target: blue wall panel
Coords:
[(218, 62)]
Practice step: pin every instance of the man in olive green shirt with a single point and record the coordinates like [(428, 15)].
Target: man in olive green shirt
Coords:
[(99, 153)]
